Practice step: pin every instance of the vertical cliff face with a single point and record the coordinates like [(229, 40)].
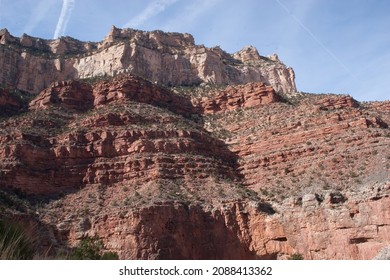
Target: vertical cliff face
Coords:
[(357, 229), (171, 59)]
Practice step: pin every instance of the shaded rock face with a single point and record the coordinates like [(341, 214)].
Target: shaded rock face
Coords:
[(69, 147), (354, 230), (179, 232), (6, 99), (9, 104), (81, 96), (172, 59)]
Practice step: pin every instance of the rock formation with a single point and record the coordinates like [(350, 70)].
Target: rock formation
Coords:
[(6, 99), (31, 64), (211, 171)]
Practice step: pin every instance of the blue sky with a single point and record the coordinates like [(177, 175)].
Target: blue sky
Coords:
[(334, 46)]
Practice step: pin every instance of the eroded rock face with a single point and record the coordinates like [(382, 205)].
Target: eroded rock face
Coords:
[(235, 97), (9, 104), (172, 59), (135, 167), (6, 99), (337, 102), (356, 229), (81, 96), (60, 146), (67, 94)]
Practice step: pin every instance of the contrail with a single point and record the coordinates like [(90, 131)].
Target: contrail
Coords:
[(66, 11), (150, 11), (316, 39)]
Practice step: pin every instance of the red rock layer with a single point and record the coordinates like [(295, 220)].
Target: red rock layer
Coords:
[(119, 141), (6, 99), (337, 102), (81, 96), (234, 97), (67, 94), (331, 229), (140, 166), (319, 142)]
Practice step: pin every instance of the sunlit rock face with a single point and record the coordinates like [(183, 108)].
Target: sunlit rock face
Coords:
[(172, 59)]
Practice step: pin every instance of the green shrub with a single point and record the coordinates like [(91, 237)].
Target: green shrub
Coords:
[(110, 256), (296, 256), (91, 248), (15, 243)]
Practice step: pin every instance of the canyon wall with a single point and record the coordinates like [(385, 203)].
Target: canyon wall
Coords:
[(172, 59), (357, 229), (201, 159), (232, 173)]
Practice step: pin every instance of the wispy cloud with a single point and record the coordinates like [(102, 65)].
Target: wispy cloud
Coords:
[(66, 11), (190, 15), (316, 39), (153, 9), (38, 13)]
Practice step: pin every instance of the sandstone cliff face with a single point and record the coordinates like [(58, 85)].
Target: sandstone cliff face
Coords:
[(212, 173), (78, 148), (331, 229), (173, 59), (6, 99), (235, 97)]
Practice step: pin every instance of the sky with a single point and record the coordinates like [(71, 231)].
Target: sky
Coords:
[(334, 46)]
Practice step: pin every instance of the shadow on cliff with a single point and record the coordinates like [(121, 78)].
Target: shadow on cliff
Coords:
[(126, 87), (177, 231), (42, 170), (190, 233)]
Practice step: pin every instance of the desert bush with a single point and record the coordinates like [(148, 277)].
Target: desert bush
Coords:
[(91, 248), (15, 242), (296, 256)]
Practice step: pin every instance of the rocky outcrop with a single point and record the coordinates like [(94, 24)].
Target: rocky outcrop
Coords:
[(9, 103), (302, 144), (81, 96), (6, 99), (105, 146), (384, 254), (57, 47), (67, 94), (171, 59), (208, 173), (337, 102), (321, 228), (234, 97), (178, 231), (328, 229)]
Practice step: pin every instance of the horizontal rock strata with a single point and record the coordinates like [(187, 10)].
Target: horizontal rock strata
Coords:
[(173, 59)]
